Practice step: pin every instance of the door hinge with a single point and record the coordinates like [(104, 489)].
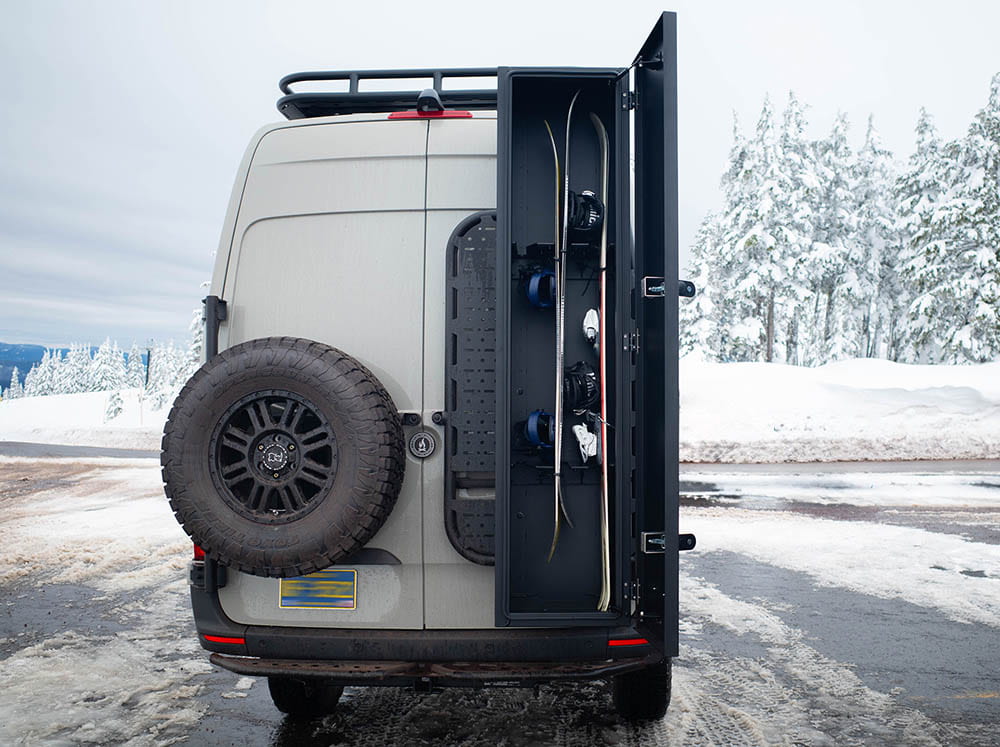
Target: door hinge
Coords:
[(630, 100), (631, 342)]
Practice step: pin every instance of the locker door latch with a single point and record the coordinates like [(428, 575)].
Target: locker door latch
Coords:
[(655, 287), (654, 543)]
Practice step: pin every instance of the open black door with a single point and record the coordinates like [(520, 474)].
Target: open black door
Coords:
[(657, 398)]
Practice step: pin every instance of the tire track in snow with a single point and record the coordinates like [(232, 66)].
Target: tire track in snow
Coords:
[(792, 693)]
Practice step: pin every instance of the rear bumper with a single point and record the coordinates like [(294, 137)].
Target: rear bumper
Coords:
[(520, 656), (434, 674)]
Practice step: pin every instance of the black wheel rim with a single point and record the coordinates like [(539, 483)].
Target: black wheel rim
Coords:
[(273, 456)]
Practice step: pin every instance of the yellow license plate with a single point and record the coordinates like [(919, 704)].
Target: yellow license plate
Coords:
[(324, 590)]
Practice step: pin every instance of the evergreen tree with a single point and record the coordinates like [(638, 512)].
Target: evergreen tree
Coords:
[(76, 371), (196, 347), (168, 370), (107, 368), (40, 380), (834, 231), (135, 369), (918, 192), (749, 248), (956, 273), (14, 391), (876, 294), (700, 322), (114, 406), (794, 219)]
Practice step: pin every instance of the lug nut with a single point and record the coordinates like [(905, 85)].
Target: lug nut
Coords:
[(291, 447), (260, 447), (275, 475)]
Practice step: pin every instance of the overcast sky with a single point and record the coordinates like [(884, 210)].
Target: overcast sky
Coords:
[(124, 122)]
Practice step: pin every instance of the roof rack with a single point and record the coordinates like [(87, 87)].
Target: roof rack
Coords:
[(324, 103)]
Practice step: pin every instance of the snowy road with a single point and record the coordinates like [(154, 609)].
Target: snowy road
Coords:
[(823, 606)]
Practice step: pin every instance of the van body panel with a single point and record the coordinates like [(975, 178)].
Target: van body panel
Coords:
[(461, 180), (336, 212), (388, 596)]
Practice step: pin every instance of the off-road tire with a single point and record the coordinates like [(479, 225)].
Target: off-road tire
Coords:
[(643, 695), (305, 697), (362, 485)]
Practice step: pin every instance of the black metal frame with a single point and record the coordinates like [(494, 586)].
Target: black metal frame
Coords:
[(644, 341), (308, 104), (657, 403)]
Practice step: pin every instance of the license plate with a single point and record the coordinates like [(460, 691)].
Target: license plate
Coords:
[(325, 590)]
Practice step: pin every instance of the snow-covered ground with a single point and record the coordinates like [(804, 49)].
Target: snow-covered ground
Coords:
[(852, 410), (855, 410), (79, 420), (778, 603)]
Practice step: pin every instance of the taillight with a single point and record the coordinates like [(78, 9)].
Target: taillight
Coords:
[(225, 639), (628, 642), (446, 114), (199, 554)]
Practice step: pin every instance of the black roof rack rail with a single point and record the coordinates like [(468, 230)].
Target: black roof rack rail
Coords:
[(325, 103)]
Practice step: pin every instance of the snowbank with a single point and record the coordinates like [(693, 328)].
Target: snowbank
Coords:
[(852, 410), (78, 420), (855, 410)]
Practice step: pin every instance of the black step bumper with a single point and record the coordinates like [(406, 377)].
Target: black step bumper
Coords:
[(424, 675)]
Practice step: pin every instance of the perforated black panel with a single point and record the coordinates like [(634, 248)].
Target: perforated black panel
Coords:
[(470, 397)]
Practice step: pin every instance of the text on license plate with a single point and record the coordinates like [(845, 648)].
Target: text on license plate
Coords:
[(334, 589)]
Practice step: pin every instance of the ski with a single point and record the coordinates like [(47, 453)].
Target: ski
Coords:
[(559, 505), (604, 601), (557, 248)]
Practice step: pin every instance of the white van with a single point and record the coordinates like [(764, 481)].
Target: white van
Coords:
[(434, 441)]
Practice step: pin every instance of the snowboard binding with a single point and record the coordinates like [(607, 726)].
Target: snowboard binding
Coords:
[(586, 214)]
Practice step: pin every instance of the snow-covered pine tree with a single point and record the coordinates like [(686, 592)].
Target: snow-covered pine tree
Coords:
[(196, 344), (107, 368), (76, 371), (834, 231), (15, 390), (958, 276), (40, 379), (169, 368), (114, 406), (918, 192), (749, 249), (794, 219), (135, 369), (876, 295), (699, 318)]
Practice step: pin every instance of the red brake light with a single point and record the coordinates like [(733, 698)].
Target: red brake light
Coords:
[(446, 114), (628, 642), (199, 554), (224, 639)]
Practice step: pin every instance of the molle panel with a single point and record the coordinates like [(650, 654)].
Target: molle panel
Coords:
[(470, 387)]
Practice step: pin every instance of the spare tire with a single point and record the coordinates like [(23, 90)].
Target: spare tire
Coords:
[(282, 456)]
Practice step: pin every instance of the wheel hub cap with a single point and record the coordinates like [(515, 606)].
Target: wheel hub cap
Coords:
[(273, 455)]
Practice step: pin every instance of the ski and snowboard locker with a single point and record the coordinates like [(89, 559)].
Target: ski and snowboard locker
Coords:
[(586, 471)]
